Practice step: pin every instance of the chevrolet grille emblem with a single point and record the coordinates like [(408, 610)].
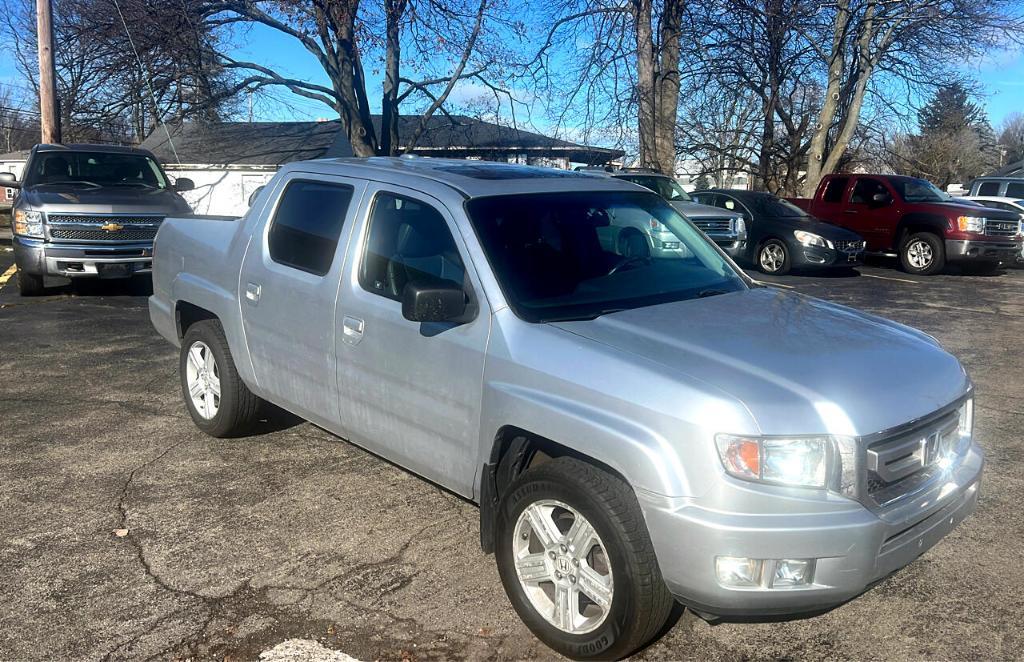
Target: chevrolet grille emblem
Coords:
[(112, 227)]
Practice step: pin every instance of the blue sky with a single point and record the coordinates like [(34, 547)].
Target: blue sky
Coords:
[(1000, 73)]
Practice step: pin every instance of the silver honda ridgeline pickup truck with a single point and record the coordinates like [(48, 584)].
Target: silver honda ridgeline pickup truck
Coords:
[(636, 430), (88, 211)]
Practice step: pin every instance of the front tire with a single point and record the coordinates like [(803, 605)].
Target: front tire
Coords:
[(30, 285), (220, 404), (923, 253), (773, 258), (577, 562)]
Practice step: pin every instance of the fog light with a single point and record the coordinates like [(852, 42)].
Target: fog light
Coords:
[(793, 572), (738, 571)]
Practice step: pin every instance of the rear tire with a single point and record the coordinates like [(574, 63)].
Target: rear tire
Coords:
[(923, 253), (220, 404), (30, 285), (614, 563)]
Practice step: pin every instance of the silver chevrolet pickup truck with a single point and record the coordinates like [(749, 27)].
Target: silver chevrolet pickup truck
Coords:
[(89, 211), (636, 430)]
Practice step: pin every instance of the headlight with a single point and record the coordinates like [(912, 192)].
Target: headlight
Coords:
[(811, 239), (799, 461), (28, 223), (970, 224), (740, 227)]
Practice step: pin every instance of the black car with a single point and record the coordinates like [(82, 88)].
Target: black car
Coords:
[(781, 236)]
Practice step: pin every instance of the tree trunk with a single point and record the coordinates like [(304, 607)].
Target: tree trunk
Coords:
[(816, 154), (645, 66), (389, 138), (667, 87)]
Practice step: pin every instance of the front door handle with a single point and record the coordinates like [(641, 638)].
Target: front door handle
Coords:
[(352, 330), (252, 293), (849, 211)]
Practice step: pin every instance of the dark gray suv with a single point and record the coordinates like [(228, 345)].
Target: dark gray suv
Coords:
[(89, 211)]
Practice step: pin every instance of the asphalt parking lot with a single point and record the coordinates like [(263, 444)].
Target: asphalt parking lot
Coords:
[(127, 534)]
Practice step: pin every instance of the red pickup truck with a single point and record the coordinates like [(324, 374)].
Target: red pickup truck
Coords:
[(915, 220)]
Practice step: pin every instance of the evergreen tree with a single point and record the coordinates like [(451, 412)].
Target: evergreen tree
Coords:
[(955, 142)]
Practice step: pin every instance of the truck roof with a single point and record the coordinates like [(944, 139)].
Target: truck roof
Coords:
[(471, 178), (87, 147)]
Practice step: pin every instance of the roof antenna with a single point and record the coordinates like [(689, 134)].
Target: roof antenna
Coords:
[(149, 82)]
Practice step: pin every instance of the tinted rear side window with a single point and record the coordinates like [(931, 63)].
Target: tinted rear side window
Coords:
[(834, 189), (306, 226), (988, 188), (1014, 190)]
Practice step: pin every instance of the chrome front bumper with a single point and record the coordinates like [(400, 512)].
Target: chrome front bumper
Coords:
[(42, 258), (1006, 250), (854, 547)]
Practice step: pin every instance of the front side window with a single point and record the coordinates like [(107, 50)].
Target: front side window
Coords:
[(307, 224), (1015, 190), (560, 256), (834, 189), (407, 241), (865, 189), (94, 169)]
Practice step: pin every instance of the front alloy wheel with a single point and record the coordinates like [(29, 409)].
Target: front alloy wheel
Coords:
[(773, 257), (563, 566)]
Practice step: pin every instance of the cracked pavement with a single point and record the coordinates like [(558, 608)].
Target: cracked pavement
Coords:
[(230, 547)]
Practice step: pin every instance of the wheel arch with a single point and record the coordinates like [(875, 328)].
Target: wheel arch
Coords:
[(919, 222)]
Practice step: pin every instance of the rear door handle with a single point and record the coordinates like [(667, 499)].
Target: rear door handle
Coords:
[(352, 330), (849, 211), (252, 293)]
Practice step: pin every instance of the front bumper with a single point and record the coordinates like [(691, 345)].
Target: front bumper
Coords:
[(960, 250), (854, 547), (42, 258), (814, 256)]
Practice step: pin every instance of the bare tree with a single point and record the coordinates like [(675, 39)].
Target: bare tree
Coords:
[(439, 42), (857, 41), (1011, 139)]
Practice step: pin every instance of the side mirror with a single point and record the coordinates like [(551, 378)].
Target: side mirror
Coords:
[(255, 194), (436, 302), (184, 184), (8, 180), (881, 199)]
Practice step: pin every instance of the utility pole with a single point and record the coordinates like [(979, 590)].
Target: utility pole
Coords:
[(48, 118)]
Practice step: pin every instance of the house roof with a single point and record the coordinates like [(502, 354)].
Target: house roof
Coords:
[(276, 143)]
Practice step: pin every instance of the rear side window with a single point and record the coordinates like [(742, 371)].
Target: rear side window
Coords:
[(988, 188), (834, 189), (1015, 190), (306, 226), (408, 241)]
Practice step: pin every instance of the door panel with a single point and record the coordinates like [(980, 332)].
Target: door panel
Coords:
[(288, 289), (874, 221), (410, 391)]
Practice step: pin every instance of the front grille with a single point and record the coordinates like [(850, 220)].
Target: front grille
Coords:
[(83, 234), (900, 464), (105, 228), (850, 246), (713, 225), (995, 228)]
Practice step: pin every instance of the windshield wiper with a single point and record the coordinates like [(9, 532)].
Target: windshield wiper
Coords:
[(711, 293), (72, 182)]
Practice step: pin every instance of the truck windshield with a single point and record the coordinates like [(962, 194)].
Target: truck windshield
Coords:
[(94, 168), (666, 187), (919, 190), (562, 256)]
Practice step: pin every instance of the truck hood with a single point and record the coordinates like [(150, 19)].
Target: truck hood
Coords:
[(693, 210), (102, 200), (798, 364), (974, 209)]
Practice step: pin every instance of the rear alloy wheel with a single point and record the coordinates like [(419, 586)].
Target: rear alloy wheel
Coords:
[(29, 285), (577, 562), (220, 404), (773, 258), (923, 254)]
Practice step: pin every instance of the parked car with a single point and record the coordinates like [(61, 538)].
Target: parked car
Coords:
[(781, 236), (1014, 205), (88, 211), (915, 220), (634, 430), (1001, 187), (726, 229)]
